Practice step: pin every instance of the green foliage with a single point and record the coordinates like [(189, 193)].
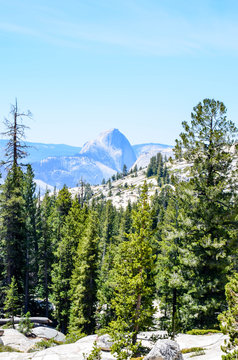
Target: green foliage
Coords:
[(12, 228), (73, 337), (202, 331), (45, 344), (7, 348), (133, 275), (124, 345), (25, 325), (71, 237), (192, 349), (98, 264), (45, 243), (124, 171), (95, 354), (171, 281), (31, 241), (209, 223), (110, 220), (198, 353), (158, 168), (83, 282), (229, 319), (11, 303)]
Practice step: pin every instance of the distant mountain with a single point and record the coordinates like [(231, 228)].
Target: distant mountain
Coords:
[(59, 164), (57, 171), (142, 148), (39, 151), (145, 152), (98, 159), (112, 149)]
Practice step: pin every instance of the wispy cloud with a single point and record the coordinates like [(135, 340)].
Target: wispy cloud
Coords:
[(144, 29)]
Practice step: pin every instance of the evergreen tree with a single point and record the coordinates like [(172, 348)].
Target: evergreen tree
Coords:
[(12, 228), (31, 248), (206, 144), (45, 249), (152, 167), (61, 204), (12, 203), (229, 319), (65, 255), (83, 283), (107, 249), (124, 170), (15, 149), (133, 272), (11, 304), (173, 274), (126, 222)]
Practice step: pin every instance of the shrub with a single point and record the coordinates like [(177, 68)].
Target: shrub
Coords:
[(192, 349), (202, 331), (6, 348), (95, 353), (25, 325), (45, 344), (229, 320), (73, 337)]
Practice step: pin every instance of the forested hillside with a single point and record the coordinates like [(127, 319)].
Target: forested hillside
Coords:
[(102, 266)]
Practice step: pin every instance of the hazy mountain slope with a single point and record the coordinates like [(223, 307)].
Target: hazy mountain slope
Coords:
[(123, 190), (40, 151), (98, 159), (59, 164), (142, 148), (70, 170), (146, 151)]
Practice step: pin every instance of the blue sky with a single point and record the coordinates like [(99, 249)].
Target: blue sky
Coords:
[(84, 66)]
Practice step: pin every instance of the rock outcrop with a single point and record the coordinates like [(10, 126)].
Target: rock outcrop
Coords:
[(48, 333), (165, 350)]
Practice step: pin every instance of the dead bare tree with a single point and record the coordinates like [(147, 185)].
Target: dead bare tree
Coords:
[(15, 148)]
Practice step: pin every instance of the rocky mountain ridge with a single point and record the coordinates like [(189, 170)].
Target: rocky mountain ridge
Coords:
[(56, 165), (121, 191)]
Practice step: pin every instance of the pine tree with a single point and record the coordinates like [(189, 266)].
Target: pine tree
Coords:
[(107, 250), (134, 275), (173, 274), (13, 229), (229, 319), (44, 228), (61, 204), (15, 148), (11, 303), (12, 203), (31, 248), (206, 144), (126, 222), (84, 280), (65, 255), (124, 170)]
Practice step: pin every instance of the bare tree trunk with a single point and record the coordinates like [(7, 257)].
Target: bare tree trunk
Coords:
[(174, 313), (138, 306), (27, 280)]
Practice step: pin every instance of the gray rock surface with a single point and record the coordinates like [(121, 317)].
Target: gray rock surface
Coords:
[(1, 342), (48, 333), (104, 342), (165, 350), (74, 351), (210, 343), (16, 340)]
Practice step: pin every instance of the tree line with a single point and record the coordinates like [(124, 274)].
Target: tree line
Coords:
[(101, 267)]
